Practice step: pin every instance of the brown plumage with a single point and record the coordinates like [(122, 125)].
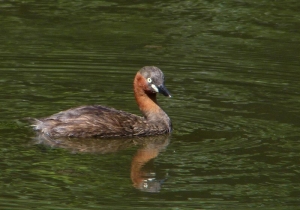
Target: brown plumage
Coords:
[(100, 121)]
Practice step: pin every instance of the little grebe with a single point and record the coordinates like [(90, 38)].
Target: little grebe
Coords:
[(96, 120)]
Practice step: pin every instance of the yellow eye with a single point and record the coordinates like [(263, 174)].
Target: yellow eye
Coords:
[(149, 80)]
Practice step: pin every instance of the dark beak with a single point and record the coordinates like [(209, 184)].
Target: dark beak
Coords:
[(164, 90)]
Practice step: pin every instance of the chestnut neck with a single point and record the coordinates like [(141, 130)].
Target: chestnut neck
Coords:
[(146, 100)]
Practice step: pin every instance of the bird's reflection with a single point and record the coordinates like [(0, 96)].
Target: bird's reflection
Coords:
[(142, 173)]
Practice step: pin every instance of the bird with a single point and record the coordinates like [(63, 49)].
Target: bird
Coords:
[(101, 121)]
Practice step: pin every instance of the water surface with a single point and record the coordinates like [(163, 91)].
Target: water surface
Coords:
[(231, 66)]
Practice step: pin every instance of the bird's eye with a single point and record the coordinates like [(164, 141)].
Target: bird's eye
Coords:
[(149, 80)]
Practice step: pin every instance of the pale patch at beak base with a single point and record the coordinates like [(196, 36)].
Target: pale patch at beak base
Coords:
[(154, 88)]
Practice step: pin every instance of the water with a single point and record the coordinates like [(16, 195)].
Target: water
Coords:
[(231, 67)]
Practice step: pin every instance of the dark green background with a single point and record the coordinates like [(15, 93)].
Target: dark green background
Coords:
[(232, 68)]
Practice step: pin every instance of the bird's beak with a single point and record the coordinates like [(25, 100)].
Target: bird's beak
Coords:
[(163, 90)]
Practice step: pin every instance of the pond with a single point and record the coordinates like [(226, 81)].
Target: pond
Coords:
[(231, 67)]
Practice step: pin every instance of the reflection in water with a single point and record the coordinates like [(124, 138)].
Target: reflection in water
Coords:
[(142, 173), (142, 167)]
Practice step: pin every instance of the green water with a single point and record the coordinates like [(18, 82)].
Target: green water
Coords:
[(232, 68)]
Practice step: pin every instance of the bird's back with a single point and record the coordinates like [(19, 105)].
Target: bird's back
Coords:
[(96, 120)]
